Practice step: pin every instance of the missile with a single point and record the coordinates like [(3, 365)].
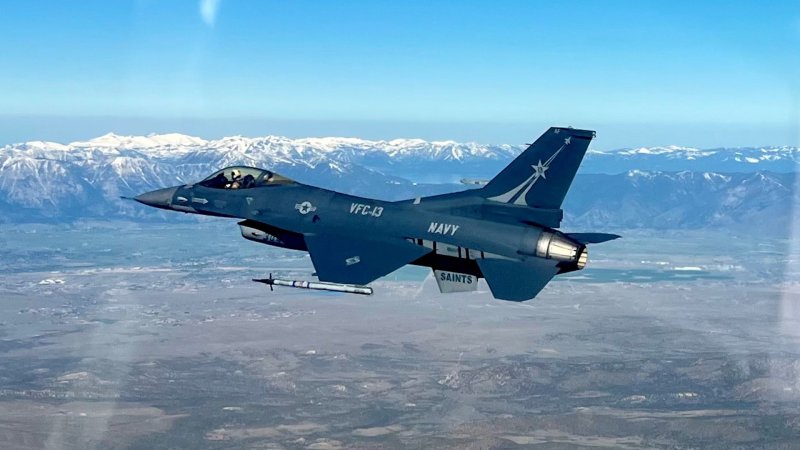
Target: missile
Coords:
[(474, 181), (316, 285)]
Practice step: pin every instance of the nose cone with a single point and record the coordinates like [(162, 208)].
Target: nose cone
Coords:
[(161, 198)]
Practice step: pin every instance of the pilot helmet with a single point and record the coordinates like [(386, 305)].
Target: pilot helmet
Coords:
[(236, 173)]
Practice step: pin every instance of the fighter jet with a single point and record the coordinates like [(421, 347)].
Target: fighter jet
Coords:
[(505, 232)]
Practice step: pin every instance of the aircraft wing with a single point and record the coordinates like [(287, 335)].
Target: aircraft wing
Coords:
[(339, 259), (517, 280)]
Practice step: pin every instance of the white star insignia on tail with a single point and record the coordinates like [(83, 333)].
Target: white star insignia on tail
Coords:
[(539, 170), (519, 194)]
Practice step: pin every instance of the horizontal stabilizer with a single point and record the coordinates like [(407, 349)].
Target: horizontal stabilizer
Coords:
[(339, 259), (516, 280), (593, 238)]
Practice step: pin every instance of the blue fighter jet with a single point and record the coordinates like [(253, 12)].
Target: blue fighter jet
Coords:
[(505, 232)]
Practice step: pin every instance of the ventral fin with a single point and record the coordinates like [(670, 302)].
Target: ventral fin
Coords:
[(455, 282)]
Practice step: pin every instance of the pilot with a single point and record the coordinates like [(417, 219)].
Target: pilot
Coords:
[(236, 179)]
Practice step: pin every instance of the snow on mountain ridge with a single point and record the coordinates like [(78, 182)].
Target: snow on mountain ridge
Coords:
[(149, 141), (680, 186), (669, 149), (175, 144), (190, 158)]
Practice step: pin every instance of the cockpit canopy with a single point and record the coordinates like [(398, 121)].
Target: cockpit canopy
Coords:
[(243, 177)]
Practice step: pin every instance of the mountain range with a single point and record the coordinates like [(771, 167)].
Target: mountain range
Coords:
[(652, 187)]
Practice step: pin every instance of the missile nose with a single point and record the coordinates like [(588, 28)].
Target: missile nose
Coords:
[(160, 198)]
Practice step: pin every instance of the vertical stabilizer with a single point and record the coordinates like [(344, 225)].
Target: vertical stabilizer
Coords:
[(541, 176)]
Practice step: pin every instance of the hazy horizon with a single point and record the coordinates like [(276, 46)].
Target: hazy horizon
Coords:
[(609, 136)]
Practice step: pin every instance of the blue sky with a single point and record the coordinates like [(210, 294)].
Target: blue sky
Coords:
[(641, 73)]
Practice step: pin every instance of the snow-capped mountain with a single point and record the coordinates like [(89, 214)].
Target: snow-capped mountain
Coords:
[(675, 158), (47, 180)]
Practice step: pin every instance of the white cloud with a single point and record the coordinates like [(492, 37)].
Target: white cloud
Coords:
[(209, 10)]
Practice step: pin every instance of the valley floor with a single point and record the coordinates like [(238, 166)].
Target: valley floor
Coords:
[(121, 335)]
